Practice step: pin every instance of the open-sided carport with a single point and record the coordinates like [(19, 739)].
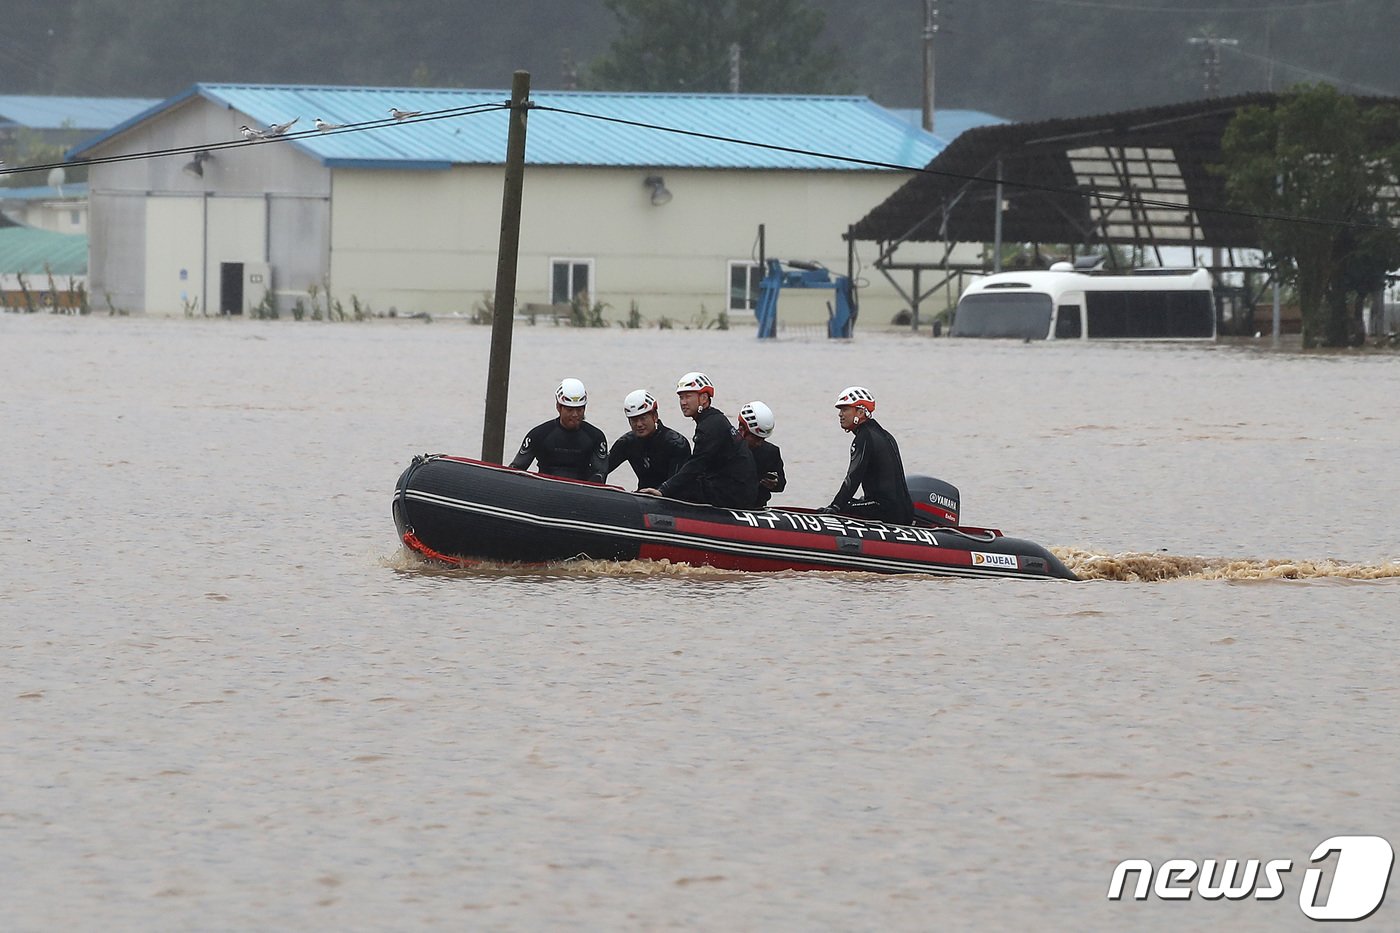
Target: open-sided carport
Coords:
[(1143, 179)]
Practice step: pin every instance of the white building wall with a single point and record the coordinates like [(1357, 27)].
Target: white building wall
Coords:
[(244, 186), (174, 260), (427, 241)]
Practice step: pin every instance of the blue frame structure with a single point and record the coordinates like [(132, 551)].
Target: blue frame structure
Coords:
[(841, 319)]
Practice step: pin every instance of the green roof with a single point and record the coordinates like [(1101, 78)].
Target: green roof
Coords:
[(27, 250)]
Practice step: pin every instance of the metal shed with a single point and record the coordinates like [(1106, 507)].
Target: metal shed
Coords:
[(1142, 179)]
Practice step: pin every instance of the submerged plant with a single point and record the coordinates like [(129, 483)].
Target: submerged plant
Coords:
[(583, 314)]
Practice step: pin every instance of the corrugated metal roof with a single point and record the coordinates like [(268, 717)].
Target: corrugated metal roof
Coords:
[(854, 127), (1143, 178), (27, 250), (79, 113)]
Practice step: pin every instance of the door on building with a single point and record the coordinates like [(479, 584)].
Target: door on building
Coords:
[(230, 288)]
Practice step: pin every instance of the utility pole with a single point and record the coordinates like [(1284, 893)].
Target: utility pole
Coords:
[(1210, 60), (930, 28), (734, 68), (1269, 54), (493, 438)]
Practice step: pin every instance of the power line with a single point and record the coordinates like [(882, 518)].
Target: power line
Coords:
[(957, 176), (426, 117), (1311, 73)]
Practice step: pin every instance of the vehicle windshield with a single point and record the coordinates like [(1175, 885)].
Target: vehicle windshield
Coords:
[(1024, 315)]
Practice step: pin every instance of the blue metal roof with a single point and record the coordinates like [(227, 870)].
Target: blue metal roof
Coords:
[(74, 191), (79, 113), (854, 127)]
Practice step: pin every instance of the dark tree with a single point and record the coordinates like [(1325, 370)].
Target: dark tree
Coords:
[(685, 45), (1315, 167)]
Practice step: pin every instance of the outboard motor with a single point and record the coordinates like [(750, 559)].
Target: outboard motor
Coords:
[(935, 502)]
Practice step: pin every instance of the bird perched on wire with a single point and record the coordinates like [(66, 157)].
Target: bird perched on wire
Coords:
[(324, 127), (398, 114), (250, 134), (277, 129)]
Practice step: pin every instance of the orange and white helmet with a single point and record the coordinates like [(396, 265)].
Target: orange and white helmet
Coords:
[(571, 394), (758, 418), (638, 402), (695, 382), (858, 396)]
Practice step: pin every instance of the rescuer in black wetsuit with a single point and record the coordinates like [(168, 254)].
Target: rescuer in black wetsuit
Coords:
[(720, 471), (566, 446), (654, 451), (875, 465), (756, 425)]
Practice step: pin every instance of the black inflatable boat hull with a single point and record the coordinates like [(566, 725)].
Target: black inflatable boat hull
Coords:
[(463, 511)]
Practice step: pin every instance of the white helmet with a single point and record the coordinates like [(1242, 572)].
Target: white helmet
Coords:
[(571, 394), (858, 396), (758, 418), (638, 402), (695, 382)]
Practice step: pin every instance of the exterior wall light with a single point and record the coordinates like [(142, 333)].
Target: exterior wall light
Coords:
[(196, 168), (660, 194)]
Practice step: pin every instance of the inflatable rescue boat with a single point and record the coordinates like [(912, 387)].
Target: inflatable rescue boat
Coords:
[(463, 511)]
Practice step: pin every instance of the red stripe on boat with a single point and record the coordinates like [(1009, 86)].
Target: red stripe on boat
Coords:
[(809, 540), (937, 510), (921, 553)]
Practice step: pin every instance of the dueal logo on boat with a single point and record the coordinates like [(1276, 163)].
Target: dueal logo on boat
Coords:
[(1356, 880), (980, 559)]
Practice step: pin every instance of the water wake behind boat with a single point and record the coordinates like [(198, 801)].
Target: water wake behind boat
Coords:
[(1151, 568)]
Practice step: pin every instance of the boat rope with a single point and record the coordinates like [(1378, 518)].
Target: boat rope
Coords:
[(412, 540), (982, 536)]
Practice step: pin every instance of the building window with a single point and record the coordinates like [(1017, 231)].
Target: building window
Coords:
[(569, 279), (744, 277), (75, 218)]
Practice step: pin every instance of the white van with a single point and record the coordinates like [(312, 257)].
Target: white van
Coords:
[(1061, 304)]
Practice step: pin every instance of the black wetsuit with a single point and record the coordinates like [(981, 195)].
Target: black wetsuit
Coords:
[(721, 471), (578, 454), (654, 458), (875, 465), (767, 459)]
